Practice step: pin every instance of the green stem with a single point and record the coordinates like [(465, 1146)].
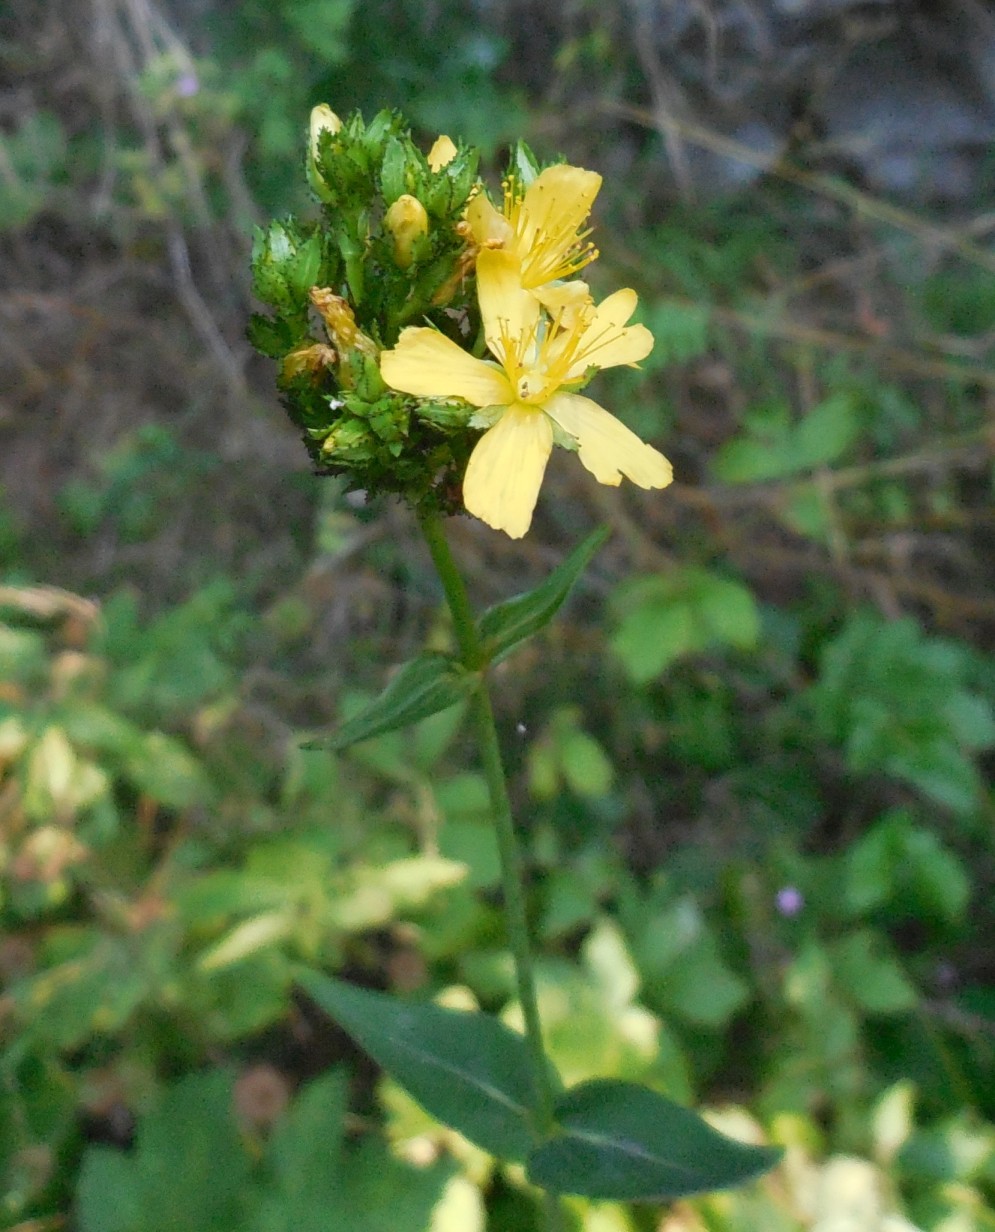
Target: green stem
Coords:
[(512, 864)]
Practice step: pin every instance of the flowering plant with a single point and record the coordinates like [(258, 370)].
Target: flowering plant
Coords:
[(434, 345), (413, 273)]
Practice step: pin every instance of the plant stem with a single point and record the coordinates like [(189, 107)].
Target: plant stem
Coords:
[(512, 865)]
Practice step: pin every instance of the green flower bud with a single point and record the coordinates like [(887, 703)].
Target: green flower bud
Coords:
[(323, 119), (407, 221), (348, 437), (362, 374)]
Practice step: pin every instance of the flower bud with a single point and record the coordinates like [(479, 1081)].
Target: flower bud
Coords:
[(369, 383), (358, 355), (340, 321), (322, 118), (348, 436), (407, 221), (442, 153), (310, 359)]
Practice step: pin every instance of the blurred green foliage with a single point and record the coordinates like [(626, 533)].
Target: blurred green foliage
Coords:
[(34, 157), (758, 809)]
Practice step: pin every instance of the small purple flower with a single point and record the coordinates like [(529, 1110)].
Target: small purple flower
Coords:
[(187, 85), (790, 901)]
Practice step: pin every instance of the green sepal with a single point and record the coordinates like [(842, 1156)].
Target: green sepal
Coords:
[(422, 687), (622, 1142), (303, 269), (466, 1069), (271, 251), (393, 172), (523, 165), (270, 336), (504, 626), (447, 189)]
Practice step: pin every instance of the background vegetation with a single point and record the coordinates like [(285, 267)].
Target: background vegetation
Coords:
[(753, 764)]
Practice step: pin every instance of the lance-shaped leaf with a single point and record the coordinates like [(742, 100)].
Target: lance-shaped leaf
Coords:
[(467, 1069), (502, 627), (423, 686), (626, 1143)]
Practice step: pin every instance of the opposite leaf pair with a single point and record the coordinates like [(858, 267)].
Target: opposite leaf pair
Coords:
[(612, 1140)]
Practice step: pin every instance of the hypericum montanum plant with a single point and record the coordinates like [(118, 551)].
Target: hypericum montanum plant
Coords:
[(433, 345)]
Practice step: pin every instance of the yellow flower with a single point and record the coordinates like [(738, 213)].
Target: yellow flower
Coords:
[(541, 228), (527, 395)]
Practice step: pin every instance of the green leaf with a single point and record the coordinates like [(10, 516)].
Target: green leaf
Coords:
[(680, 331), (467, 1069), (188, 1172), (871, 976), (164, 770), (586, 767), (699, 987), (108, 1196), (191, 1158), (304, 1154), (806, 510), (728, 610), (935, 877), (748, 460), (971, 720), (504, 626), (870, 867), (323, 27), (773, 447), (320, 1180), (652, 636), (380, 1192), (625, 1143), (423, 686), (826, 432)]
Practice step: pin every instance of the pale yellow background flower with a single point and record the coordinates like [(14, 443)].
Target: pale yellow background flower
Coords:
[(530, 391)]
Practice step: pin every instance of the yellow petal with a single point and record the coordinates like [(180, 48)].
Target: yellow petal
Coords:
[(487, 225), (566, 302), (430, 365), (607, 447), (607, 341), (547, 221), (505, 470), (616, 309), (557, 201), (442, 153), (510, 314)]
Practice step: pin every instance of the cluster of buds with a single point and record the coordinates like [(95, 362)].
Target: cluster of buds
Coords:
[(389, 247), (433, 344)]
